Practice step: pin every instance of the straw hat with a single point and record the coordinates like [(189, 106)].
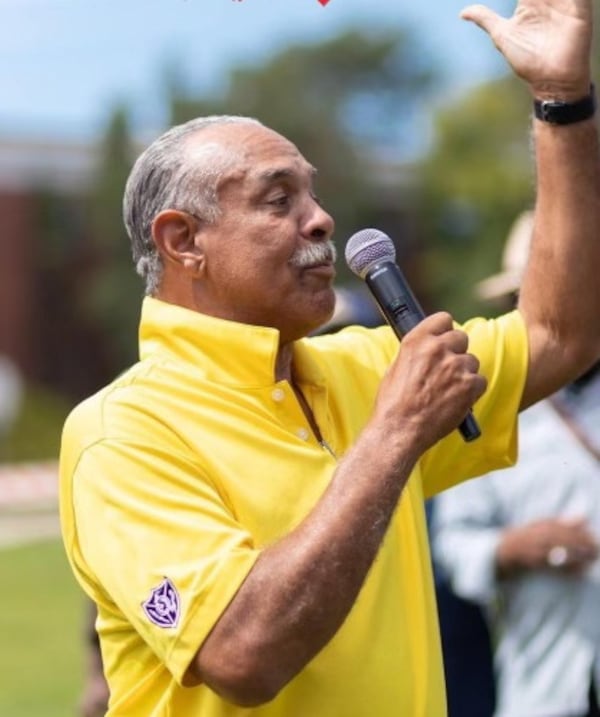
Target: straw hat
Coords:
[(514, 258)]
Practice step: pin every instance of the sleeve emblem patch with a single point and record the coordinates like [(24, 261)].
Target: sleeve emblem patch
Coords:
[(162, 607)]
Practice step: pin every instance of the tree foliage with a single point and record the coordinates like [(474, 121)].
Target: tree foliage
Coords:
[(476, 179), (114, 291)]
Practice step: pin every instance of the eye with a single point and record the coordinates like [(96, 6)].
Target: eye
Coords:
[(316, 199), (281, 200)]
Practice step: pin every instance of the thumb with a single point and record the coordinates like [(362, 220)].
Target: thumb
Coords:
[(483, 17)]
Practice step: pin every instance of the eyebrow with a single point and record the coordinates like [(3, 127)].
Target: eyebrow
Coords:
[(270, 176)]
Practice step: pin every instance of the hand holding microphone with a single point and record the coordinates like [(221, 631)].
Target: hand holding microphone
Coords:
[(371, 255)]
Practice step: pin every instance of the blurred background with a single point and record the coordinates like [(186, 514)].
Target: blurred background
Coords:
[(408, 112)]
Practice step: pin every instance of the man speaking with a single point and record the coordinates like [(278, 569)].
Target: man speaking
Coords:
[(245, 504)]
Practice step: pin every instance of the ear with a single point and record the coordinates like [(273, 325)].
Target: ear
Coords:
[(177, 236)]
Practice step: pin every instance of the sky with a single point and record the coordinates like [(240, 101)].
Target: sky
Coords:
[(65, 64)]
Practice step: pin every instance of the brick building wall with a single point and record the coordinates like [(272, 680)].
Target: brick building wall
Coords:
[(16, 289)]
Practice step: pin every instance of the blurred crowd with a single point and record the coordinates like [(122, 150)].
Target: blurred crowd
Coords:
[(516, 554)]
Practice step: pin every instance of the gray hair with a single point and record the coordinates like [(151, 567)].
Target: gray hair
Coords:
[(167, 175)]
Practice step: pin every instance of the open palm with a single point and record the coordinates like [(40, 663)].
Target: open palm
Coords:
[(546, 42)]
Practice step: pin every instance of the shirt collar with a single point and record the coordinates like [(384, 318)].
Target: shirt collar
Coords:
[(224, 351)]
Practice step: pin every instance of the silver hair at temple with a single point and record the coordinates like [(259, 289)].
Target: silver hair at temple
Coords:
[(170, 174)]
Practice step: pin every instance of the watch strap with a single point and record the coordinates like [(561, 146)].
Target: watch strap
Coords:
[(557, 112)]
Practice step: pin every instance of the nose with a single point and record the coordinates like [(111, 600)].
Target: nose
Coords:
[(317, 224)]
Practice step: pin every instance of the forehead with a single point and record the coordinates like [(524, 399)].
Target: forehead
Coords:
[(258, 155)]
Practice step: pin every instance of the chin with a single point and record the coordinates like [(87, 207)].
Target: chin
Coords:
[(309, 316), (325, 308)]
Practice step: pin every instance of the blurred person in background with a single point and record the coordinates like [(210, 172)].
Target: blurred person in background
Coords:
[(245, 522), (466, 637), (467, 646), (523, 543)]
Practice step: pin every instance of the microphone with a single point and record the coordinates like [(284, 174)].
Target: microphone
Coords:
[(371, 255)]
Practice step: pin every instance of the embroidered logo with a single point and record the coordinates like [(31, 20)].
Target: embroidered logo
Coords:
[(162, 607)]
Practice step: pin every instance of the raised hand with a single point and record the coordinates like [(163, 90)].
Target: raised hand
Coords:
[(546, 42)]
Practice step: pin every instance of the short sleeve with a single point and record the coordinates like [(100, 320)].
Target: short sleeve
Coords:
[(162, 542), (501, 347)]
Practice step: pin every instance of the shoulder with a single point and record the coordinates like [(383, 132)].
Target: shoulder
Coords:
[(113, 411)]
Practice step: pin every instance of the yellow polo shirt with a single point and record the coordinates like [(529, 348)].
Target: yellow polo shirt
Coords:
[(175, 476)]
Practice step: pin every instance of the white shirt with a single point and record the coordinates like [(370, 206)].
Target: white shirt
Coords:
[(548, 623)]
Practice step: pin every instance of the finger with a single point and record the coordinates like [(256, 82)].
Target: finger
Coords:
[(457, 341), (479, 386), (578, 561), (588, 544), (471, 363), (438, 323), (577, 533), (568, 556), (483, 17), (586, 553)]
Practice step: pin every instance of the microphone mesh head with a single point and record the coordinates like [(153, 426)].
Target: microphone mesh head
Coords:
[(368, 247)]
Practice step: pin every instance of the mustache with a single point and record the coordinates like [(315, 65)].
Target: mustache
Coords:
[(314, 254)]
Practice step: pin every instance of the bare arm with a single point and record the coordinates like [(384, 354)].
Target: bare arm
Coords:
[(547, 43), (301, 588)]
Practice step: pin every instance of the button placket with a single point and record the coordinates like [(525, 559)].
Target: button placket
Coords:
[(303, 432), (325, 423), (278, 395)]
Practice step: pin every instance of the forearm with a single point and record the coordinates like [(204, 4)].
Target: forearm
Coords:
[(548, 45), (507, 559), (560, 294), (302, 588)]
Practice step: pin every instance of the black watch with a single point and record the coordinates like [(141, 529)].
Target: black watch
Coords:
[(556, 112)]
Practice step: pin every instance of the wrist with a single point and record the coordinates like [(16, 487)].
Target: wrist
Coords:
[(398, 450), (565, 109), (507, 557), (561, 91)]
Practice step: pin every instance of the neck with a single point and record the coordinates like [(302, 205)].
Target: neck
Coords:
[(283, 363)]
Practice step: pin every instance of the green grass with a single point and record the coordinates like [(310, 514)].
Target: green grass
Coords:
[(41, 628)]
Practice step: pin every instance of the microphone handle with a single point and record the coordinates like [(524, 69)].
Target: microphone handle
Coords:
[(403, 312)]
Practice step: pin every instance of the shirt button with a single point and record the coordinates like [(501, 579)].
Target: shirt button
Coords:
[(278, 394), (303, 434)]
